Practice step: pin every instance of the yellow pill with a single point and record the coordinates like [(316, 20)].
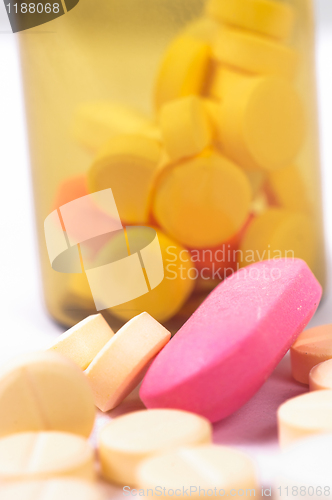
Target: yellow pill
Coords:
[(267, 17), (320, 377), (213, 110), (45, 391), (262, 123), (255, 54), (224, 80), (120, 365), (127, 440), (215, 470), (183, 69), (52, 489), (279, 234), (152, 131), (165, 300), (95, 123), (127, 165), (45, 455), (185, 127), (305, 415), (82, 342), (311, 348), (202, 202), (287, 189), (204, 29)]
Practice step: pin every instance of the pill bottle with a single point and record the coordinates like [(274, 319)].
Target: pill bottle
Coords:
[(172, 142)]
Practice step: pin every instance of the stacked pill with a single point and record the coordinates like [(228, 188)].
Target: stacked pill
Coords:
[(217, 162), (114, 364), (310, 413)]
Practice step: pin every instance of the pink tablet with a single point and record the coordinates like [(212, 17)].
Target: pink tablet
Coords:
[(227, 349)]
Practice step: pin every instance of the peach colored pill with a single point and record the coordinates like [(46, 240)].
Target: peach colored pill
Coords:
[(304, 415), (320, 377), (183, 69), (185, 127), (53, 489), (311, 348), (82, 342), (120, 365), (45, 455), (45, 391), (256, 54), (267, 17), (203, 467), (128, 440)]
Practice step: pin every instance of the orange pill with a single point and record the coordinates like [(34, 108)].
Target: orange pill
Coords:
[(311, 348), (202, 202), (320, 377)]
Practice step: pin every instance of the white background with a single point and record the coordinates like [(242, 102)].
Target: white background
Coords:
[(24, 323)]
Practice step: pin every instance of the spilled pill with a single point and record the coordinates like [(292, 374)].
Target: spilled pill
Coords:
[(320, 376), (121, 364), (215, 470), (45, 391), (311, 348), (52, 489), (304, 415), (82, 342), (45, 455), (128, 440), (224, 353)]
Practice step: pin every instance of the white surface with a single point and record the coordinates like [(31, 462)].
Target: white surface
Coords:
[(25, 325)]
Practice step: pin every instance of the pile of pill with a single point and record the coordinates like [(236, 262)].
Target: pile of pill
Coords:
[(212, 366), (216, 164)]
